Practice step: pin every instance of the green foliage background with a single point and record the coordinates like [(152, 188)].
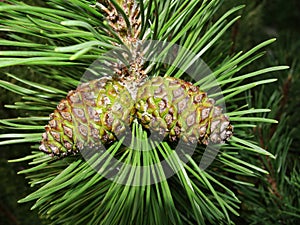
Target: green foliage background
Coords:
[(275, 199)]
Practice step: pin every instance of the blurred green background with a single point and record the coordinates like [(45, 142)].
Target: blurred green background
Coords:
[(260, 20)]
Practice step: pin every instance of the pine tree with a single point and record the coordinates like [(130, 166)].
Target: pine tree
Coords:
[(59, 42)]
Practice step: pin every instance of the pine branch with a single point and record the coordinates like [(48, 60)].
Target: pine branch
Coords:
[(60, 40)]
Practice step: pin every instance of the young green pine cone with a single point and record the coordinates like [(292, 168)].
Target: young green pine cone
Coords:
[(177, 109), (95, 113)]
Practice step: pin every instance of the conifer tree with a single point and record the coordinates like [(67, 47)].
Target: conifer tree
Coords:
[(127, 94)]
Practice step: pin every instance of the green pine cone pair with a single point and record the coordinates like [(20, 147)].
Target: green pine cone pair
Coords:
[(99, 112)]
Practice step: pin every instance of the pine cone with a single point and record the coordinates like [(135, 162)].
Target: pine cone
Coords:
[(95, 113), (178, 109)]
